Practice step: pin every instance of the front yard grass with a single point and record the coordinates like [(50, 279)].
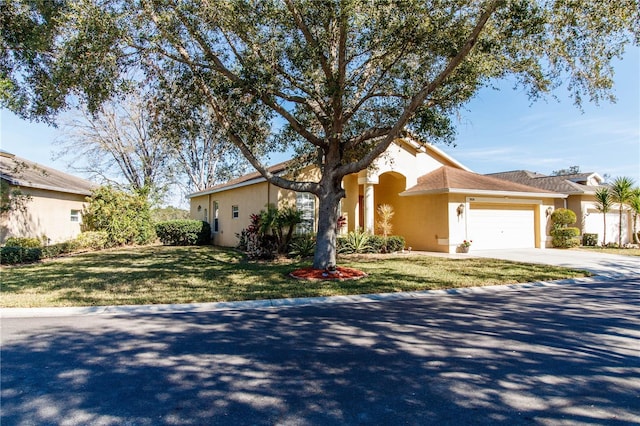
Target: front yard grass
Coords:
[(159, 274), (621, 251)]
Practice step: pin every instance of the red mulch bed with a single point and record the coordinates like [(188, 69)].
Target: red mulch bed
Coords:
[(321, 274)]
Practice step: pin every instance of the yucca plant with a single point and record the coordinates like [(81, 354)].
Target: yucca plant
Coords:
[(358, 241)]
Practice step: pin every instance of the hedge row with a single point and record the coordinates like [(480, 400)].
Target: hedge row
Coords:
[(184, 232), (28, 250)]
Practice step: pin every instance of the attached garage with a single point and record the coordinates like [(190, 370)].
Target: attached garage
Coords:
[(594, 224), (493, 213), (495, 226)]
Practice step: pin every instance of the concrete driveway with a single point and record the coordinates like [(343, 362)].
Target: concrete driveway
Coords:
[(608, 265)]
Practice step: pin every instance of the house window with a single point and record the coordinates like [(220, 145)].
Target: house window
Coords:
[(235, 213), (75, 215), (215, 216), (306, 203)]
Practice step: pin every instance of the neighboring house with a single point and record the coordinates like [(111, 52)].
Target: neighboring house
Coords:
[(580, 189), (438, 202), (53, 208)]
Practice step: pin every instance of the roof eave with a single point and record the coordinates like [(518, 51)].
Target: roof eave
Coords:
[(483, 192), (227, 188)]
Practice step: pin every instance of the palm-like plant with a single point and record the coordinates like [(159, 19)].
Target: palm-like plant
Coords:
[(603, 205), (621, 191), (634, 203)]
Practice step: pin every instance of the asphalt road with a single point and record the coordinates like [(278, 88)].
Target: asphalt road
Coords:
[(543, 355)]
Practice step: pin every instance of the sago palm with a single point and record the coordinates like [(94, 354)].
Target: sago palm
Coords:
[(603, 205), (621, 191)]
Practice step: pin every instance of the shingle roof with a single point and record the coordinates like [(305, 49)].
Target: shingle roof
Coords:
[(450, 179), (21, 172), (275, 169), (566, 184)]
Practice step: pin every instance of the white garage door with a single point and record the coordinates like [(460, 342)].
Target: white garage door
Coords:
[(492, 226)]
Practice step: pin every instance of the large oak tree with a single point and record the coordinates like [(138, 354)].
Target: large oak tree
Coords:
[(346, 77)]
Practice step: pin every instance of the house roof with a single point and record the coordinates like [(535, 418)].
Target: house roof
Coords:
[(410, 141), (21, 172), (448, 179), (248, 179), (577, 183)]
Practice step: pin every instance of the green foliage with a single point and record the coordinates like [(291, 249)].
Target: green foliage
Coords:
[(163, 214), (358, 241), (565, 237), (270, 232), (184, 232), (125, 217), (95, 240), (55, 250), (589, 240), (11, 255), (302, 246), (621, 192), (395, 243), (563, 217), (25, 242), (346, 77)]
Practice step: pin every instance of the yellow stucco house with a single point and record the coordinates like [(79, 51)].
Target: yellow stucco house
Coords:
[(438, 202), (53, 210), (580, 189)]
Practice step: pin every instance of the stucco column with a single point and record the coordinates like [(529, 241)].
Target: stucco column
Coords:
[(369, 209)]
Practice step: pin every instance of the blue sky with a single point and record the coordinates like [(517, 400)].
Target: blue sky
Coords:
[(498, 131)]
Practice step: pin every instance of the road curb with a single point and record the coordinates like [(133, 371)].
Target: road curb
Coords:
[(284, 303)]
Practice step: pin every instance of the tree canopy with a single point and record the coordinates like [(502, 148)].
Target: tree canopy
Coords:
[(338, 80)]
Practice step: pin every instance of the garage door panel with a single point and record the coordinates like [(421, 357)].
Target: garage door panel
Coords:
[(496, 227)]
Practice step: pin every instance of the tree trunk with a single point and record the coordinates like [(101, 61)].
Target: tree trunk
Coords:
[(325, 254), (620, 226), (604, 229)]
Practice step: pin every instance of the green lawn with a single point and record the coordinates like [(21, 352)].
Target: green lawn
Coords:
[(621, 251), (158, 274)]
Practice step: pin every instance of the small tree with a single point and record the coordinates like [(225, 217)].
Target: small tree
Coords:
[(634, 203), (564, 236), (125, 217), (621, 193), (603, 205)]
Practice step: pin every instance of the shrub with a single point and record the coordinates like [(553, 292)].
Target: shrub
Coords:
[(184, 232), (24, 242), (96, 240), (302, 246), (55, 250), (395, 243), (563, 217), (11, 255), (565, 237), (125, 217), (376, 244), (590, 240)]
